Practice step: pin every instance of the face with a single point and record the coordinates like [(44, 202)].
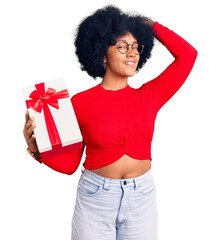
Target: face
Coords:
[(122, 65)]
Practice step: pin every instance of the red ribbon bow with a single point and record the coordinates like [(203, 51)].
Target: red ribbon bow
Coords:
[(40, 100)]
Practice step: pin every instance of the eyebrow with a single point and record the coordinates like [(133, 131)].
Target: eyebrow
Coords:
[(126, 41)]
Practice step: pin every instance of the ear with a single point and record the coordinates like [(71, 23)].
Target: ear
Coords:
[(105, 59)]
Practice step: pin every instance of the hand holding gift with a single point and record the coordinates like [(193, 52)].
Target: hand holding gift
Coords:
[(30, 137), (57, 127)]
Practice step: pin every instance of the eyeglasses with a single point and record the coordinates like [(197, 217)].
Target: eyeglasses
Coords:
[(123, 47)]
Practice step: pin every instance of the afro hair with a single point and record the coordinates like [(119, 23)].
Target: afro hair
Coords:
[(97, 32)]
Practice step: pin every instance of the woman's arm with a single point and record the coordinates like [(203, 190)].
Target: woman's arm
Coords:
[(65, 163), (171, 79)]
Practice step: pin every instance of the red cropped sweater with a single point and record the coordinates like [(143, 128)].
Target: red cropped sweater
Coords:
[(114, 123)]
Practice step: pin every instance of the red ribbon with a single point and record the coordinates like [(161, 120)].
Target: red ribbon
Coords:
[(40, 100)]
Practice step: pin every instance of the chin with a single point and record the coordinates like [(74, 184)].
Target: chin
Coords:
[(126, 74), (131, 74)]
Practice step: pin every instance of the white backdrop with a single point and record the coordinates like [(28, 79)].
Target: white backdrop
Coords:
[(36, 45)]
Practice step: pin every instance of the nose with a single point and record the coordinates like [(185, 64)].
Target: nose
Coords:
[(131, 51)]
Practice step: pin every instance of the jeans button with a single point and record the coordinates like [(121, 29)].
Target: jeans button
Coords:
[(124, 182)]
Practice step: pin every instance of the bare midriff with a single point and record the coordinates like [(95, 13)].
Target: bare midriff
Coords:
[(125, 167)]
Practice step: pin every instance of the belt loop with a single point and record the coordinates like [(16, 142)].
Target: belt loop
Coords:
[(106, 184), (82, 169), (135, 183)]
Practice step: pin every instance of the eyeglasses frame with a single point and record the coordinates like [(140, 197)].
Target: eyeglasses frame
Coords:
[(128, 46)]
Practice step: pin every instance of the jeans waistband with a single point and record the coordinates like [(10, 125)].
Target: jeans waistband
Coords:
[(108, 181)]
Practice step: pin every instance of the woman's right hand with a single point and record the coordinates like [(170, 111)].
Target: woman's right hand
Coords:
[(29, 135)]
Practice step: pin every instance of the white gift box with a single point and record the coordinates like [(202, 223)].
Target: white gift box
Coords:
[(57, 130)]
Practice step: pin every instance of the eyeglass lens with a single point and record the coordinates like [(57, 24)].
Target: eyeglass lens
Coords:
[(123, 47)]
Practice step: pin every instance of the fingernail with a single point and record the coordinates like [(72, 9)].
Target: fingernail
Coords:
[(33, 125), (33, 118)]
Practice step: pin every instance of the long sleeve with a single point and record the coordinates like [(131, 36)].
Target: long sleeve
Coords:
[(68, 162), (171, 79), (65, 163)]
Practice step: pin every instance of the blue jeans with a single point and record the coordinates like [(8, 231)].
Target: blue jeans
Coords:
[(115, 209)]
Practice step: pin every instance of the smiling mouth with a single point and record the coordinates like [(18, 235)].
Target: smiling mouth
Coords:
[(130, 63)]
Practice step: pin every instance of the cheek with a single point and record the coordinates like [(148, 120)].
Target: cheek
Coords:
[(115, 60)]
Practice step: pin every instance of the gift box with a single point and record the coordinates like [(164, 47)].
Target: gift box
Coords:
[(57, 130)]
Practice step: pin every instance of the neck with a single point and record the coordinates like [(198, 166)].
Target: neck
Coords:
[(115, 82)]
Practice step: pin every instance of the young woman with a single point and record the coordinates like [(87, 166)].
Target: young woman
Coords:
[(116, 196)]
